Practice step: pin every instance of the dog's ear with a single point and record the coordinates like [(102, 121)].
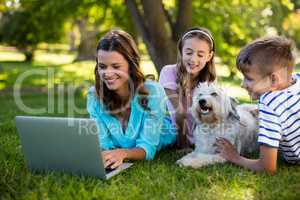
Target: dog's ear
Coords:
[(233, 112)]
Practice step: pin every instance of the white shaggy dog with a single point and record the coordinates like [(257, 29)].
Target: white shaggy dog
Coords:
[(218, 115)]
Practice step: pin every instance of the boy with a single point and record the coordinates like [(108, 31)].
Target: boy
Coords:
[(267, 66)]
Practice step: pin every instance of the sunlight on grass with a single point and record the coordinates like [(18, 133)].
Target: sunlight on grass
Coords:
[(2, 86), (82, 69), (3, 76), (11, 56), (221, 69), (3, 79), (53, 58), (148, 67), (235, 91), (40, 81), (67, 72), (232, 192)]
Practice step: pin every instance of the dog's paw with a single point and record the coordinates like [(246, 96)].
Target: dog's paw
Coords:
[(188, 162), (180, 162), (184, 162)]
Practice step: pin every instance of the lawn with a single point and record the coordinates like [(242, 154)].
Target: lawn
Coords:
[(157, 179)]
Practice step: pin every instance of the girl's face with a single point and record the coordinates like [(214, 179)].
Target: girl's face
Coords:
[(195, 54), (113, 69)]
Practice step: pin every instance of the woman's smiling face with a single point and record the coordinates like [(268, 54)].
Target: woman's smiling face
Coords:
[(113, 69)]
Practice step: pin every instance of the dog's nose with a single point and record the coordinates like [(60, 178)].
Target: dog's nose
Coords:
[(202, 102)]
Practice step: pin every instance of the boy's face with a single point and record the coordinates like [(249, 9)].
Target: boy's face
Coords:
[(255, 83)]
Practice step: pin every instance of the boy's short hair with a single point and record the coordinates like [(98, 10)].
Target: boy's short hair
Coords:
[(267, 54)]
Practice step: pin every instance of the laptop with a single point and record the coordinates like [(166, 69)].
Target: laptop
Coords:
[(63, 144)]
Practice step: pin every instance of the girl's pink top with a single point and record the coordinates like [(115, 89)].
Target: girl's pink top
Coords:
[(167, 79)]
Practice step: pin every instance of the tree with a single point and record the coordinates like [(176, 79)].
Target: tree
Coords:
[(160, 28), (24, 24), (88, 16), (233, 24), (93, 18)]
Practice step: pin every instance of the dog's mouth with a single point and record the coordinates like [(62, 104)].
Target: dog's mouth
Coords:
[(205, 109)]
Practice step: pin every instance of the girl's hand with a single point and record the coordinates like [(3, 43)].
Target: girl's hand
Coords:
[(226, 150), (114, 158)]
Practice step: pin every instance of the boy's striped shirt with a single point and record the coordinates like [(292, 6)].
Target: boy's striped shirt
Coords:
[(279, 120)]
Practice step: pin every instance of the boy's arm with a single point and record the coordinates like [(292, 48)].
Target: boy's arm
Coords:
[(266, 162)]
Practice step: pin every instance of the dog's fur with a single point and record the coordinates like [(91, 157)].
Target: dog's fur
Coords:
[(218, 115)]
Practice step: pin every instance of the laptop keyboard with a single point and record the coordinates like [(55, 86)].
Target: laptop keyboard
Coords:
[(108, 170)]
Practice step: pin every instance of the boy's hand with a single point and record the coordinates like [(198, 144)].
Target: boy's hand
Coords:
[(113, 158), (226, 150)]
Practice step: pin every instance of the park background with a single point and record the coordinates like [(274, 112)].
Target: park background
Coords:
[(47, 55)]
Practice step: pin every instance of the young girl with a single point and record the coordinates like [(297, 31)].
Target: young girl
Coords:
[(195, 63), (130, 112)]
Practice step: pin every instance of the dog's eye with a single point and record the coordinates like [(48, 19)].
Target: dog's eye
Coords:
[(214, 94)]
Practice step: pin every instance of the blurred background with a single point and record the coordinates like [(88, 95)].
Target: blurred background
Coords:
[(63, 34)]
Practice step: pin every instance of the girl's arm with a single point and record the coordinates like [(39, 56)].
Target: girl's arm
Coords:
[(173, 97), (181, 115), (266, 162)]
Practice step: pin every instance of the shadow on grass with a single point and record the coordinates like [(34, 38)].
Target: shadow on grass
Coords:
[(38, 75)]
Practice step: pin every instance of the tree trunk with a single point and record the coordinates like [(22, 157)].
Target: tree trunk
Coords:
[(72, 38), (157, 30), (88, 41), (28, 53), (183, 19)]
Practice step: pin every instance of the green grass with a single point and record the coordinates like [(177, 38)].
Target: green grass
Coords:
[(157, 179)]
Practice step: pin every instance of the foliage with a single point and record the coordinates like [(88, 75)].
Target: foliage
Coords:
[(94, 18), (236, 23), (26, 24), (291, 26)]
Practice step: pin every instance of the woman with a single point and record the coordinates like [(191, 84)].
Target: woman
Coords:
[(130, 112)]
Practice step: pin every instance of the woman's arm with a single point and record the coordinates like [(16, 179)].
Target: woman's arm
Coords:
[(115, 158), (95, 110), (266, 162)]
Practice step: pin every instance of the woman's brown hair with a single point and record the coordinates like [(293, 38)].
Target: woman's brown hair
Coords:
[(208, 73), (123, 43)]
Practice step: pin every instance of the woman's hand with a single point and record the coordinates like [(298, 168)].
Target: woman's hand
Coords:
[(114, 158), (226, 150)]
